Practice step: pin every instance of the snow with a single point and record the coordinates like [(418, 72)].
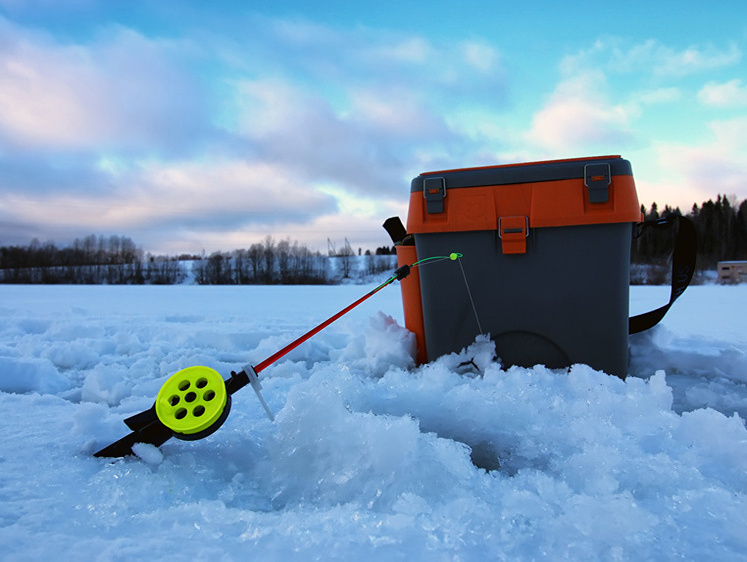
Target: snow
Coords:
[(370, 457)]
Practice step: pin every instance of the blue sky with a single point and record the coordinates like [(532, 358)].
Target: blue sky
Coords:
[(193, 126)]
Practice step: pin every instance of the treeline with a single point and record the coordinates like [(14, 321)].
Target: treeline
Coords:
[(721, 234), (92, 260), (721, 228), (267, 263), (286, 263), (118, 260)]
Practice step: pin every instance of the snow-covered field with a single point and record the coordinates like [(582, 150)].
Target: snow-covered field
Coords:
[(369, 457)]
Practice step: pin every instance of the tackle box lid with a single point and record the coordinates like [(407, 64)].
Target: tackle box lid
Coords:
[(575, 191), (505, 174)]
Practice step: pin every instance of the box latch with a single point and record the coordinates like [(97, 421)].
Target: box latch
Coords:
[(597, 177), (434, 191), (513, 232)]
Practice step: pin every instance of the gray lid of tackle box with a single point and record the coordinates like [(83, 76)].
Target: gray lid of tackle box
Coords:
[(554, 170)]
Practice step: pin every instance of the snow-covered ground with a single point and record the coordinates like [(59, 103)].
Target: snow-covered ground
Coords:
[(370, 457)]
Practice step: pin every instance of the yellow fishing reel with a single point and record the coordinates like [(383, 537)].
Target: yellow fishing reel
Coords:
[(193, 403)]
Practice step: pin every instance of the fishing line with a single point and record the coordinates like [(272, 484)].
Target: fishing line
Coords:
[(454, 256), (433, 259), (471, 300)]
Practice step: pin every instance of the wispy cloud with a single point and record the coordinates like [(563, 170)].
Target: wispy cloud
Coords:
[(578, 115), (619, 55), (701, 171), (123, 92), (236, 191), (593, 108), (366, 147), (731, 94)]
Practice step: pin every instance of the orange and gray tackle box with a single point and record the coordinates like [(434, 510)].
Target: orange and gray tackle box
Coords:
[(546, 255)]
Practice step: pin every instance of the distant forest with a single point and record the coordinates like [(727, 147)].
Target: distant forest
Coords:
[(117, 260), (114, 260), (721, 227)]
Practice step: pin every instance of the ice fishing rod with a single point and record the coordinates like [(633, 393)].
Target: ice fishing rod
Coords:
[(194, 402)]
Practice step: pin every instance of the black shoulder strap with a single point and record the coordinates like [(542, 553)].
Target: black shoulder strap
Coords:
[(683, 267)]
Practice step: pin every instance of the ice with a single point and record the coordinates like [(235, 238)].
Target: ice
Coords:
[(107, 384), (34, 374), (148, 453), (383, 345), (370, 456)]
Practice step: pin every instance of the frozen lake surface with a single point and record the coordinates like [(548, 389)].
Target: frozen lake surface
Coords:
[(370, 457)]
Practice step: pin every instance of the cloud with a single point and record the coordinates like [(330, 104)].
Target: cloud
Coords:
[(720, 165), (618, 55), (229, 192), (123, 134), (252, 192), (360, 108), (578, 116), (348, 106), (593, 105), (123, 91), (405, 51), (694, 173), (365, 233), (731, 94), (656, 96), (32, 172), (668, 61), (360, 57), (365, 147), (481, 56), (593, 108), (187, 200)]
